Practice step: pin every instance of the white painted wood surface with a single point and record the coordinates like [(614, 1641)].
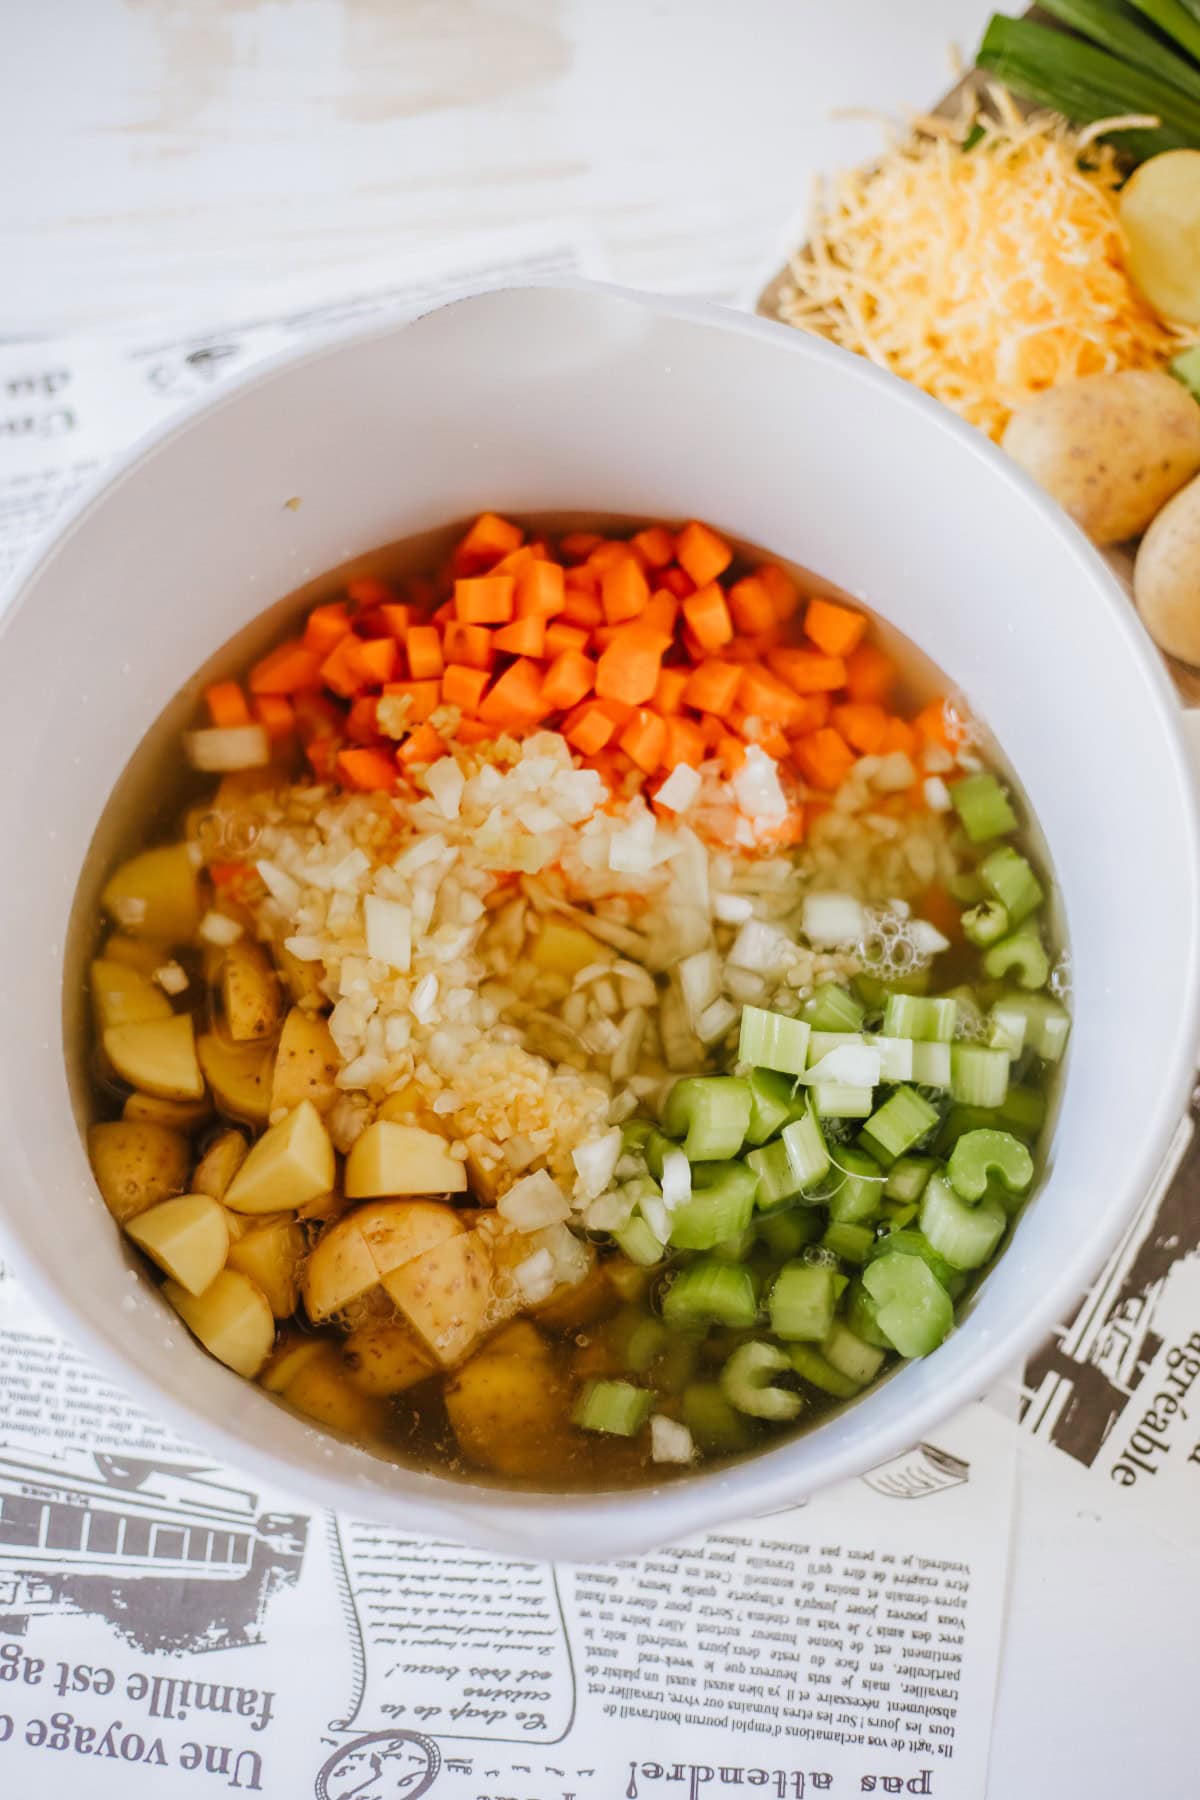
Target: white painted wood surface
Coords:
[(160, 157)]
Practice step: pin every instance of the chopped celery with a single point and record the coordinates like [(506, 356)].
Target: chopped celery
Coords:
[(772, 1104), (806, 1152), (833, 1008), (1006, 1028), (899, 1123), (915, 1243), (823, 1043), (1009, 879), (874, 989), (615, 1407), (897, 1214), (736, 1249), (840, 1100), (677, 1365), (1023, 1110), (770, 1040), (965, 888), (634, 1133), (965, 1235), (978, 1153), (850, 1242), (747, 1384), (784, 1233), (801, 1302), (656, 1147), (714, 1293), (716, 1428), (639, 1243), (930, 1021), (860, 1316), (819, 1372), (895, 1056), (721, 1206), (913, 1308), (1046, 1024), (1022, 954), (711, 1114), (643, 1341), (858, 1361), (978, 1076), (983, 808), (777, 1179), (1186, 369), (983, 924), (857, 1197), (906, 1178), (931, 1065)]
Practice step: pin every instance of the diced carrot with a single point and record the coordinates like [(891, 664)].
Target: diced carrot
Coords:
[(837, 630), (226, 704), (645, 739), (815, 712), (321, 754), (341, 669), (367, 769), (469, 644), (444, 614), (288, 669), (862, 724), (325, 625), (484, 600), (464, 687), (732, 753), (870, 674), (524, 637), (582, 580), (609, 552), (668, 691), (701, 554), (473, 731), (581, 609), (540, 591), (763, 696), (624, 590), (825, 758), (711, 730), (588, 729), (808, 671), (685, 743), (376, 659), (568, 680), (656, 545), (708, 616), (560, 637), (751, 605), (424, 647), (362, 723), (785, 595), (766, 733), (514, 563), (489, 538), (424, 746), (899, 735), (395, 620), (938, 906), (788, 832), (933, 727), (577, 546), (713, 686), (629, 668), (372, 622), (661, 611), (677, 583), (603, 636), (366, 590), (276, 714), (516, 697), (421, 591), (424, 697)]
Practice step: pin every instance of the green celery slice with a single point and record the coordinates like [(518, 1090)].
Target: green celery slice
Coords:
[(1008, 877), (906, 1178), (914, 1309), (801, 1302), (857, 1360), (983, 808), (777, 1179), (772, 1104), (851, 1243), (638, 1243), (771, 1040), (1021, 953), (913, 1016), (746, 1382), (806, 1150), (985, 924), (819, 1372), (833, 1008), (784, 1233), (711, 1113), (716, 1428), (721, 1206), (614, 1407), (711, 1293), (840, 1100), (967, 1236), (902, 1121), (978, 1154), (978, 1076), (859, 1194), (931, 1064)]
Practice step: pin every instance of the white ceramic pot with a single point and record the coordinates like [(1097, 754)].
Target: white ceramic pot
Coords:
[(581, 397)]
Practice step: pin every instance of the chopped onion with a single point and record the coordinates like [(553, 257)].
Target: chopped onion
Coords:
[(171, 978), (624, 1058), (756, 786), (833, 919), (281, 887), (895, 772), (596, 1162), (760, 947), (732, 909), (670, 1442), (535, 1201), (535, 1276), (218, 928), (926, 939), (654, 1210), (937, 794), (716, 1020), (676, 1179), (445, 781), (388, 932), (424, 999), (679, 790), (699, 979), (609, 1212), (219, 750)]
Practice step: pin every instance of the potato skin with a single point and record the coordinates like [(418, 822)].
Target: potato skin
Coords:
[(136, 1163), (1166, 576), (1111, 449)]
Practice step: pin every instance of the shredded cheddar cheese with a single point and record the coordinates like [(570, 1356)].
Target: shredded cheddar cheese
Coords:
[(984, 274)]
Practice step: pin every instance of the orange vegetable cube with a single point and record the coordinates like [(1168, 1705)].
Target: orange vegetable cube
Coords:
[(815, 711), (629, 668), (707, 615), (366, 769), (514, 562), (341, 669), (808, 671), (368, 591), (561, 637), (668, 692), (424, 648), (577, 546), (568, 680), (362, 722), (751, 605), (685, 743), (657, 546), (581, 609), (326, 625), (276, 714), (376, 659), (933, 726), (763, 696), (469, 644), (870, 674), (489, 538), (424, 746), (541, 591), (624, 590), (515, 698), (473, 731), (862, 724), (484, 599), (423, 697), (677, 583), (712, 687), (608, 553), (644, 739), (824, 757), (226, 704), (899, 735), (784, 594), (837, 630), (662, 611), (732, 754), (524, 637), (395, 620), (288, 669), (589, 729), (701, 554), (464, 687)]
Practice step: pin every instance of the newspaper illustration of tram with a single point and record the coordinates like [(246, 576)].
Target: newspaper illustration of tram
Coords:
[(171, 1553)]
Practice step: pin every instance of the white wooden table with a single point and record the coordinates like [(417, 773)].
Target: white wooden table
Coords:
[(159, 157)]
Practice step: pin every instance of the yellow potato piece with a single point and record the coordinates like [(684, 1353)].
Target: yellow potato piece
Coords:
[(136, 1163), (271, 1256), (445, 1294), (154, 895), (141, 954), (187, 1237), (351, 1255), (509, 1407), (184, 1115), (561, 948), (385, 1358), (291, 1163), (292, 1350), (1160, 214), (398, 1231), (249, 992), (571, 1307), (219, 1164), (302, 979), (1166, 576), (231, 1318), (124, 996), (159, 1057), (401, 1159), (306, 1063), (340, 1267), (321, 1388), (239, 1076)]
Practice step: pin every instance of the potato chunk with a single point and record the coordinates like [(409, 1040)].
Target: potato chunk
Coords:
[(239, 1076), (155, 895), (291, 1163), (384, 1357), (353, 1255), (509, 1406), (401, 1159), (158, 1056), (306, 1063), (271, 1256), (142, 954), (231, 1318), (302, 979), (136, 1163), (445, 1294), (320, 1387), (219, 1164), (182, 1115), (249, 992), (124, 996), (187, 1237)]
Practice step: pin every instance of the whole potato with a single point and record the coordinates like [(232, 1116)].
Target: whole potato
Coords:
[(1166, 576), (1111, 449)]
